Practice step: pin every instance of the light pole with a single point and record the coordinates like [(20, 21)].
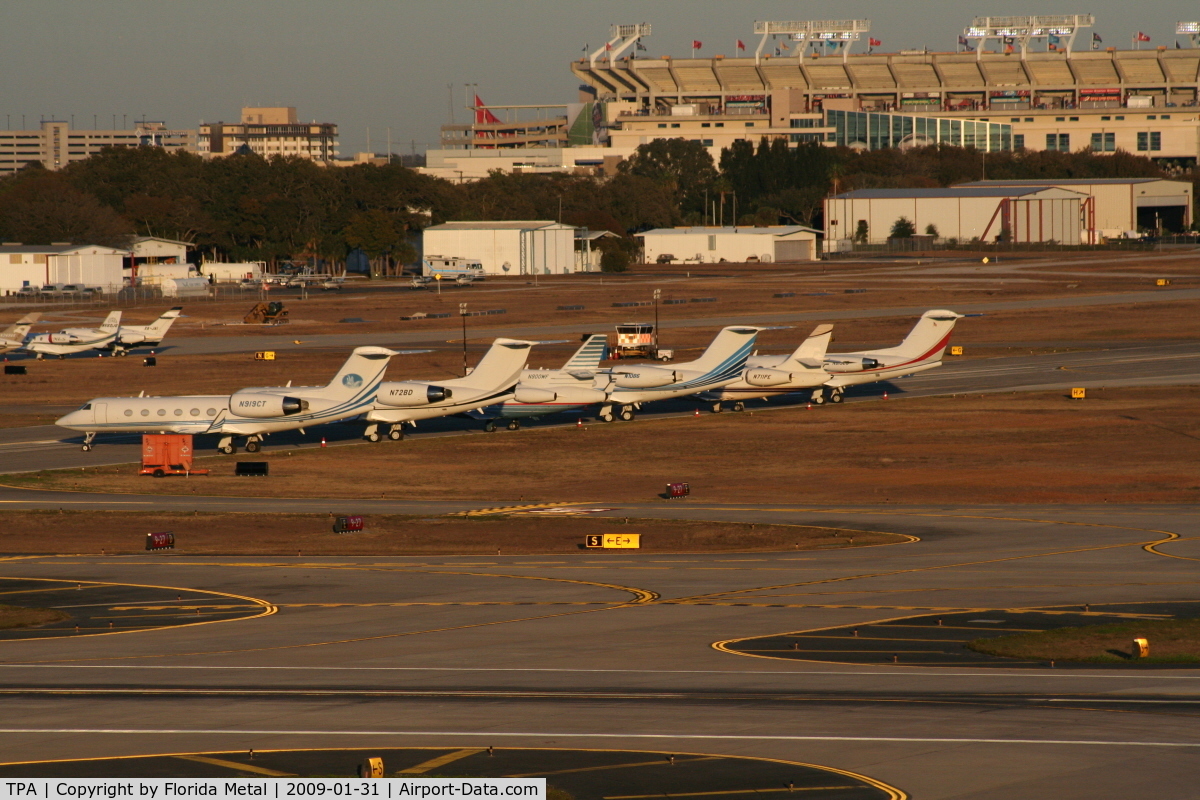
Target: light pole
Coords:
[(657, 295), (462, 313)]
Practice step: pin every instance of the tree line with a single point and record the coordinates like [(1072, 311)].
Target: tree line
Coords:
[(245, 207)]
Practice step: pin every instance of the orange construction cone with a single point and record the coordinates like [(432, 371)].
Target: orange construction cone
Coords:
[(810, 406), (885, 395), (579, 422), (697, 413), (322, 441)]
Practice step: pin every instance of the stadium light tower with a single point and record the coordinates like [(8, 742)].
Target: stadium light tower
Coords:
[(844, 32), (1022, 30), (1189, 29), (621, 38)]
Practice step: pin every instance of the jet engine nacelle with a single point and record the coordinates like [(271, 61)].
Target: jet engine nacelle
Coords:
[(767, 377), (265, 406), (564, 394), (851, 364), (412, 393), (52, 338), (645, 378)]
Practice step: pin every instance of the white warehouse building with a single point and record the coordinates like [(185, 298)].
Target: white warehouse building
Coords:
[(1121, 205), (1022, 213), (88, 265), (702, 244), (509, 247)]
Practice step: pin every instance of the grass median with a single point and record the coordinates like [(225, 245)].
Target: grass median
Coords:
[(1174, 641), (116, 532), (1130, 445)]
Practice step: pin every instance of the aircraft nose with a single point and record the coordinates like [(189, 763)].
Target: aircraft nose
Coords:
[(67, 420)]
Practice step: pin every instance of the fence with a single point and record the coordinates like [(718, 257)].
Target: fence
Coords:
[(1146, 244), (133, 296)]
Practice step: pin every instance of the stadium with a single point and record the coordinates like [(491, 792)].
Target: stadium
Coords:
[(1036, 82)]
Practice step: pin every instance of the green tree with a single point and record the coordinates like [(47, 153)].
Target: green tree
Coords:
[(931, 230), (40, 207), (381, 236), (903, 229), (861, 233), (684, 166)]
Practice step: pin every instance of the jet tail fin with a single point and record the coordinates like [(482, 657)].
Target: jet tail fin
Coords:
[(501, 365), (158, 329), (590, 354), (728, 351), (929, 337), (21, 327), (812, 350), (363, 370), (112, 322)]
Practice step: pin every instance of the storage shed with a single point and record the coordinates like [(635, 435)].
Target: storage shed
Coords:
[(506, 247), (704, 244)]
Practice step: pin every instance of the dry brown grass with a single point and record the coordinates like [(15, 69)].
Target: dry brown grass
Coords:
[(1119, 445), (112, 532), (19, 617), (1171, 641)]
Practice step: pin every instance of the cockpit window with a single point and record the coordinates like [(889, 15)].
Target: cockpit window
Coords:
[(86, 407)]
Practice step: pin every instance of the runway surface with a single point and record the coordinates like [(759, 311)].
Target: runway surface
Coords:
[(616, 650), (49, 447)]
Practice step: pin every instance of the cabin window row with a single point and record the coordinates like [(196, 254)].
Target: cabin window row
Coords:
[(162, 412)]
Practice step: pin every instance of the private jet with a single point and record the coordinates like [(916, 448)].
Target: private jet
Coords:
[(131, 336), (921, 350), (75, 340), (252, 413), (628, 387), (548, 391), (492, 380), (771, 376)]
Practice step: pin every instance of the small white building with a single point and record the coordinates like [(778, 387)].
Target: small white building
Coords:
[(735, 244), (154, 259), (966, 213), (517, 247), (1120, 205), (89, 265)]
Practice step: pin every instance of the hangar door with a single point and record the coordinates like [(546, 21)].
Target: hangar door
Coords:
[(795, 250), (1044, 220)]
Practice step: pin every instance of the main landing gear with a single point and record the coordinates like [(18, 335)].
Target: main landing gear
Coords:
[(226, 446)]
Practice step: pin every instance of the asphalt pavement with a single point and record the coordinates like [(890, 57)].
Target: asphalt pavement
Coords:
[(621, 650)]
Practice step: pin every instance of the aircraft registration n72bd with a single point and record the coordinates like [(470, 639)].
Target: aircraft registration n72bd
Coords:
[(252, 412)]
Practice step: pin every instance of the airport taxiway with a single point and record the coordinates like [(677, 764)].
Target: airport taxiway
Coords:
[(616, 650)]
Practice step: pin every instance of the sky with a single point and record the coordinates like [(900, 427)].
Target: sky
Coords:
[(378, 65)]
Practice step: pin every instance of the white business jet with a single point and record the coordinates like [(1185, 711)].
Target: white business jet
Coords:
[(75, 340), (13, 337), (252, 413), (492, 381), (922, 349), (570, 387), (131, 336), (628, 387), (771, 376)]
